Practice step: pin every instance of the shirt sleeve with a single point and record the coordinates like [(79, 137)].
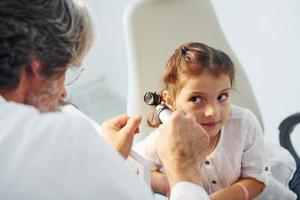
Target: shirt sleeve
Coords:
[(254, 158), (188, 191)]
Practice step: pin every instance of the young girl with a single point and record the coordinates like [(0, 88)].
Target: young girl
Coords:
[(198, 79)]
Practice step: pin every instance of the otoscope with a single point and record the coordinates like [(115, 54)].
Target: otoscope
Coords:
[(162, 111)]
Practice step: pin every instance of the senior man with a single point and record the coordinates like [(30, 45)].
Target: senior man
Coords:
[(45, 154)]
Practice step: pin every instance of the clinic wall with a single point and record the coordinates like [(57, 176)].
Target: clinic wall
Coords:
[(105, 63), (102, 88), (263, 34)]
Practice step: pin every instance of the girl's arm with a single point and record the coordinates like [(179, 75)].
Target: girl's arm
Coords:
[(236, 191), (159, 183)]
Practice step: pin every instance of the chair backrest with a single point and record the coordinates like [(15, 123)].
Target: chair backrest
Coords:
[(153, 30), (286, 127)]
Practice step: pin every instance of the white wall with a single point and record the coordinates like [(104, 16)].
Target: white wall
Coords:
[(107, 57), (263, 34), (102, 88)]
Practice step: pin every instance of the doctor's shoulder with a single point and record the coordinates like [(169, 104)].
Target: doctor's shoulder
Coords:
[(31, 122)]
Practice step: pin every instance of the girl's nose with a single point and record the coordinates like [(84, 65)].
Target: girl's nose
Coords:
[(210, 111)]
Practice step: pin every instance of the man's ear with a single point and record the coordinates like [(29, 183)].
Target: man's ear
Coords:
[(33, 72), (169, 100), (34, 69)]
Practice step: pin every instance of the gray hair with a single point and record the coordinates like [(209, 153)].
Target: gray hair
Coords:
[(57, 33)]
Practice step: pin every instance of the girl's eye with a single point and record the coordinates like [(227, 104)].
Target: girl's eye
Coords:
[(223, 97), (196, 99)]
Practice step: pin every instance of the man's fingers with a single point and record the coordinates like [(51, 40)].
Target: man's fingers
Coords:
[(117, 122), (132, 125), (121, 121), (124, 123)]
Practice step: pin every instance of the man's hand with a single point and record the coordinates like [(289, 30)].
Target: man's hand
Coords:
[(119, 132), (159, 183), (182, 146)]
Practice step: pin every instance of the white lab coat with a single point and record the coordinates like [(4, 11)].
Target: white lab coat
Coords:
[(59, 156)]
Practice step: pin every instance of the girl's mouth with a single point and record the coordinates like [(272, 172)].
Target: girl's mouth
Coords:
[(210, 125)]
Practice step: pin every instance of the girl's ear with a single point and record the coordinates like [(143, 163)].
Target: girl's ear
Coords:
[(169, 100)]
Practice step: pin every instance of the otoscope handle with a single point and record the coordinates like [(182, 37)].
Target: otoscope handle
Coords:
[(163, 113)]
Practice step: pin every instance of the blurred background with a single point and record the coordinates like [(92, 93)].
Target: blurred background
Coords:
[(264, 36)]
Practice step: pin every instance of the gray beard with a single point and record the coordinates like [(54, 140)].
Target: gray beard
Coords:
[(45, 100)]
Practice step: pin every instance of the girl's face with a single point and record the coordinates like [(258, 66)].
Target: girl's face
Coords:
[(208, 98)]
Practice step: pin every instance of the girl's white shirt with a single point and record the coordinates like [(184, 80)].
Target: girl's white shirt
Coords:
[(240, 152)]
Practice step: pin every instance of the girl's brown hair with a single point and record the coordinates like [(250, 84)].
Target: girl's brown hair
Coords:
[(189, 60)]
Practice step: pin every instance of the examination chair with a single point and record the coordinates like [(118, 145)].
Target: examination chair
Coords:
[(286, 128), (153, 29)]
